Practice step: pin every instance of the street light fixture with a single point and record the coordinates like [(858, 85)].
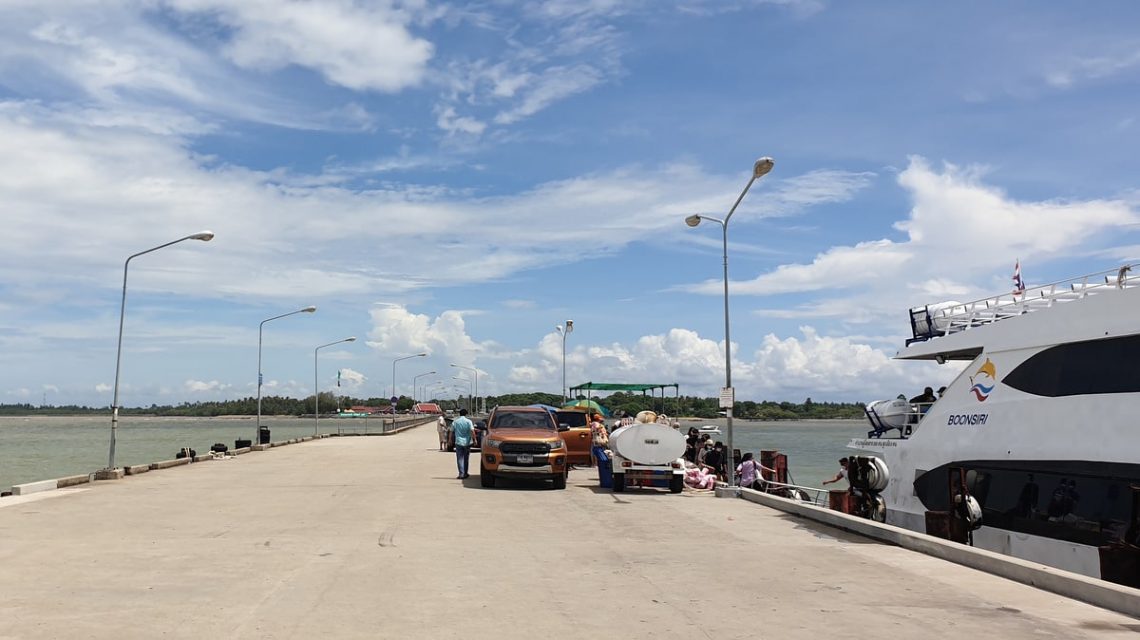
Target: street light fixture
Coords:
[(204, 236), (414, 379), (476, 371), (316, 384), (418, 355), (260, 327), (564, 331), (728, 395)]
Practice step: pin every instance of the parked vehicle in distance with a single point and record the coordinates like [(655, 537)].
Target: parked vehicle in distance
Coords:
[(522, 442), (575, 429)]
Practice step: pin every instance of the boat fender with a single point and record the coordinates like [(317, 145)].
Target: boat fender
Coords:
[(879, 475), (878, 508), (970, 511), (973, 513)]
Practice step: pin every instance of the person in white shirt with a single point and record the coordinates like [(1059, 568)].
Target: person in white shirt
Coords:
[(842, 475), (441, 427)]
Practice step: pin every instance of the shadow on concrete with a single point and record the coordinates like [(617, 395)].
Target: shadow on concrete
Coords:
[(512, 484), (826, 532)]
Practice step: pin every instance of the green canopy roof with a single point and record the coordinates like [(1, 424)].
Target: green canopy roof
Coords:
[(617, 386)]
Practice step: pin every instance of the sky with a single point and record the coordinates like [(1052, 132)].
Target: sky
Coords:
[(459, 178)]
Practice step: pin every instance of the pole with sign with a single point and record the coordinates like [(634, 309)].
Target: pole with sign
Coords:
[(727, 399)]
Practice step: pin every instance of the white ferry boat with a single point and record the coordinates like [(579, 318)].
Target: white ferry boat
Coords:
[(1043, 424)]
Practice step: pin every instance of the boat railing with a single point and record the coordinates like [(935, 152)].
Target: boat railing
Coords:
[(932, 321), (787, 490), (914, 416)]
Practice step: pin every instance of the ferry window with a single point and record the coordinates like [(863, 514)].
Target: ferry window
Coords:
[(1081, 368), (1090, 510)]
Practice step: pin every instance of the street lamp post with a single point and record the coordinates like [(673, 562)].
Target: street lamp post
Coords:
[(260, 327), (414, 379), (316, 383), (476, 371), (759, 169), (204, 236), (469, 392), (418, 355), (563, 330)]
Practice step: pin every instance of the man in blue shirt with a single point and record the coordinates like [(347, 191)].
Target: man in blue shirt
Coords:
[(464, 433)]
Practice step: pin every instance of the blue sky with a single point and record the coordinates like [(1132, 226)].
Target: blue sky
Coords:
[(459, 178)]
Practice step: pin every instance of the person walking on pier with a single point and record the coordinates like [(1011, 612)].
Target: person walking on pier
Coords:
[(464, 433)]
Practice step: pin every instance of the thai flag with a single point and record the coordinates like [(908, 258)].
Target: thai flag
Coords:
[(1018, 283)]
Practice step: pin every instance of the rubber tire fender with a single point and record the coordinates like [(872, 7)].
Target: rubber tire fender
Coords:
[(879, 476)]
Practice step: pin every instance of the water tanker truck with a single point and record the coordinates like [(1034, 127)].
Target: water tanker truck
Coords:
[(648, 453)]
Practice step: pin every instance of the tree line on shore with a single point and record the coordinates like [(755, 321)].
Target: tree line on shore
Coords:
[(616, 403)]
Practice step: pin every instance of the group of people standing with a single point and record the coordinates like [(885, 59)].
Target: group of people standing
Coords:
[(707, 462), (706, 454)]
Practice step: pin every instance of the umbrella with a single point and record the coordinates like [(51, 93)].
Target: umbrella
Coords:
[(586, 405)]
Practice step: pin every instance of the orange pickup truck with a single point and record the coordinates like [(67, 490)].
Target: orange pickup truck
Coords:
[(522, 442)]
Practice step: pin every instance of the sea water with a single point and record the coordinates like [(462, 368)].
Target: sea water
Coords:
[(41, 448), (813, 447), (46, 447)]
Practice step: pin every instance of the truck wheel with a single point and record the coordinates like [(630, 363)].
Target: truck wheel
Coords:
[(676, 484), (619, 482), (560, 481), (486, 479)]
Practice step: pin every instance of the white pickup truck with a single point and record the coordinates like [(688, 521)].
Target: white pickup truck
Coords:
[(648, 454)]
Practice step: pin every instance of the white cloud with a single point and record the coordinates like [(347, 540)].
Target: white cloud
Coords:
[(103, 388), (200, 386), (352, 380), (555, 50), (454, 124), (959, 233), (397, 330), (358, 46), (519, 304), (556, 83), (781, 369), (129, 183), (838, 368), (1081, 69)]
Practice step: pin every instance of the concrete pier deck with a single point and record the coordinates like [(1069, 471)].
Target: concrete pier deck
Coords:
[(373, 537)]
